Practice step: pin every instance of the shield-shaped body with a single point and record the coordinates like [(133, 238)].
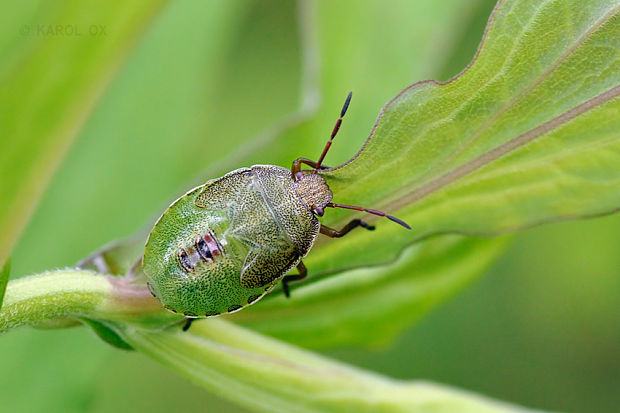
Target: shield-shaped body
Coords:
[(225, 244)]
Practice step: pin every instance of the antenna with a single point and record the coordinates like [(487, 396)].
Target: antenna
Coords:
[(370, 211), (334, 132)]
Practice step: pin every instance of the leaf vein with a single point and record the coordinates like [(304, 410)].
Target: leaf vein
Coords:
[(599, 23), (506, 147)]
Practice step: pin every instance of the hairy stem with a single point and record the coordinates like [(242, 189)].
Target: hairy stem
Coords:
[(60, 298)]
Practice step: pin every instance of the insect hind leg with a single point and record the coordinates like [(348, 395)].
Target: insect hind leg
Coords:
[(188, 323), (303, 272)]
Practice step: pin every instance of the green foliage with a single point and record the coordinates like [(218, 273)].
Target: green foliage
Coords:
[(107, 334), (528, 134), (485, 144), (5, 272), (43, 102), (370, 306), (272, 376)]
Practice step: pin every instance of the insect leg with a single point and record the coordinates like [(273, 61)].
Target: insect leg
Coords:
[(296, 168), (302, 274), (188, 323), (334, 233)]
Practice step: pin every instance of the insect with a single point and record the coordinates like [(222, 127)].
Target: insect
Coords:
[(224, 245)]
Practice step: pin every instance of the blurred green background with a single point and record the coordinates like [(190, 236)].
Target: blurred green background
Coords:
[(197, 92)]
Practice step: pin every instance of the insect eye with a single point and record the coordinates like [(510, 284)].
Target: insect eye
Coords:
[(318, 211)]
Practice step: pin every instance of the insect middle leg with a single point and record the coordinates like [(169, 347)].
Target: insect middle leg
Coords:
[(295, 277), (334, 233)]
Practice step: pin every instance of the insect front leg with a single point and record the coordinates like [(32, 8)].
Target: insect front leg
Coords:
[(302, 274), (296, 167), (334, 233)]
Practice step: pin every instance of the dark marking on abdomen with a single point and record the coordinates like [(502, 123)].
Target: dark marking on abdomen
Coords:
[(214, 244), (205, 248), (186, 261), (254, 298), (233, 308)]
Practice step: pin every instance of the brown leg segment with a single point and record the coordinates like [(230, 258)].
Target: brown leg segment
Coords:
[(296, 277), (296, 167), (334, 233)]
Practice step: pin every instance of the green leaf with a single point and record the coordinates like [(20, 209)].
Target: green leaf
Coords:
[(5, 272), (107, 334), (370, 306), (529, 133), (52, 72), (432, 132), (267, 375)]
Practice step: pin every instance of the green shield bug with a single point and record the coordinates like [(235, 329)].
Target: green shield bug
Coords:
[(225, 244)]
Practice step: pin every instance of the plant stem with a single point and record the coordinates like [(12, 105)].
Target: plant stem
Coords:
[(59, 298)]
